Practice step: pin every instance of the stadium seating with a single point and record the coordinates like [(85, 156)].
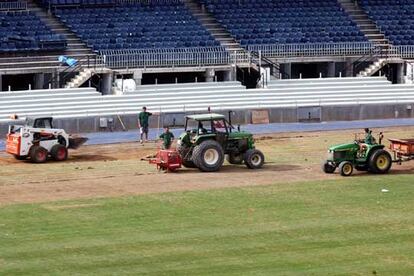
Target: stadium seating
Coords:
[(77, 2), (67, 103), (395, 18), (138, 26), (24, 31), (280, 22)]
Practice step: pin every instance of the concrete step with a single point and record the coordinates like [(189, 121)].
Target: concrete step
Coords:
[(375, 36)]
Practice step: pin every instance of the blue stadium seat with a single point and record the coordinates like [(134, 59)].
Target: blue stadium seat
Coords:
[(137, 26), (394, 17), (24, 31), (280, 21)]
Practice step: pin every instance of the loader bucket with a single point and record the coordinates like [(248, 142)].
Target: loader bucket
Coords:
[(76, 142)]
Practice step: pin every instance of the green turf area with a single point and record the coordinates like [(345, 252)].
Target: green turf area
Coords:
[(341, 227)]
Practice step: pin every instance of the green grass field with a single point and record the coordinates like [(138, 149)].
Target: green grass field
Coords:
[(341, 227)]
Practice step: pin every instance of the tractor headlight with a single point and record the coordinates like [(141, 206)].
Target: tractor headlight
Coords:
[(330, 155)]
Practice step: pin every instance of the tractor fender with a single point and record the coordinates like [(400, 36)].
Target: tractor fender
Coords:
[(373, 149)]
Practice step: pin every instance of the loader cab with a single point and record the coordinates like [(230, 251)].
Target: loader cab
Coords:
[(40, 122)]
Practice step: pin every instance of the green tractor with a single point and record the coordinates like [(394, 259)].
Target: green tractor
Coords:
[(363, 157), (209, 138)]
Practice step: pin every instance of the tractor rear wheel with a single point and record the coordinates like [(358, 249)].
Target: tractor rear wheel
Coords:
[(59, 152), (208, 156), (235, 159), (380, 162), (327, 167), (346, 168), (254, 159), (38, 154), (184, 152)]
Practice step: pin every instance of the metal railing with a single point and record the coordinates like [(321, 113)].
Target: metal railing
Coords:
[(10, 6), (63, 76), (196, 57), (275, 70), (405, 51), (313, 49)]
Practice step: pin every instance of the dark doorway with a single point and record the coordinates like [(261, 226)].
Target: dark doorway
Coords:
[(161, 78), (17, 82)]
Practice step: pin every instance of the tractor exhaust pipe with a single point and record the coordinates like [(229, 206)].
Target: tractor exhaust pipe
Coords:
[(230, 112)]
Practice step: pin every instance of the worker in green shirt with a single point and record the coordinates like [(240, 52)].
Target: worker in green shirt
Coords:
[(143, 123), (368, 137), (167, 138)]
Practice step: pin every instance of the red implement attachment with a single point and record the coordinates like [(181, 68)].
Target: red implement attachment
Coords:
[(403, 149), (168, 160)]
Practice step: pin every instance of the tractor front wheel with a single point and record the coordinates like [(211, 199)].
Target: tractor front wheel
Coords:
[(235, 159), (38, 154), (59, 152), (380, 162), (254, 159), (327, 167), (346, 168), (208, 156)]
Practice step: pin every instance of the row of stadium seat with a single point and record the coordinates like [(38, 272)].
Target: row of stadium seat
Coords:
[(24, 31), (78, 2), (139, 26), (269, 22), (395, 18)]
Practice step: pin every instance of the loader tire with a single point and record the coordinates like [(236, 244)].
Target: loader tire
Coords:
[(208, 156), (184, 152), (59, 153), (254, 159), (38, 154), (20, 157), (380, 162), (235, 159)]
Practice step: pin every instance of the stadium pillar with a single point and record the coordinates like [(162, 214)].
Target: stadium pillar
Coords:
[(349, 71), (400, 72), (106, 83), (137, 77), (287, 67), (331, 69), (210, 73), (230, 75), (39, 81)]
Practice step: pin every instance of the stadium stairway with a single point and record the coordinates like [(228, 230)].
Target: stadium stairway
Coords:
[(197, 97), (75, 46), (211, 24), (220, 33), (32, 62), (374, 35)]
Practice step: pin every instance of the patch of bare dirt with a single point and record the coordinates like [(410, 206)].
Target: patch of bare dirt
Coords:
[(116, 170)]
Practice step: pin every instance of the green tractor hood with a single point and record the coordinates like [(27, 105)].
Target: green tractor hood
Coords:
[(344, 147), (240, 135)]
